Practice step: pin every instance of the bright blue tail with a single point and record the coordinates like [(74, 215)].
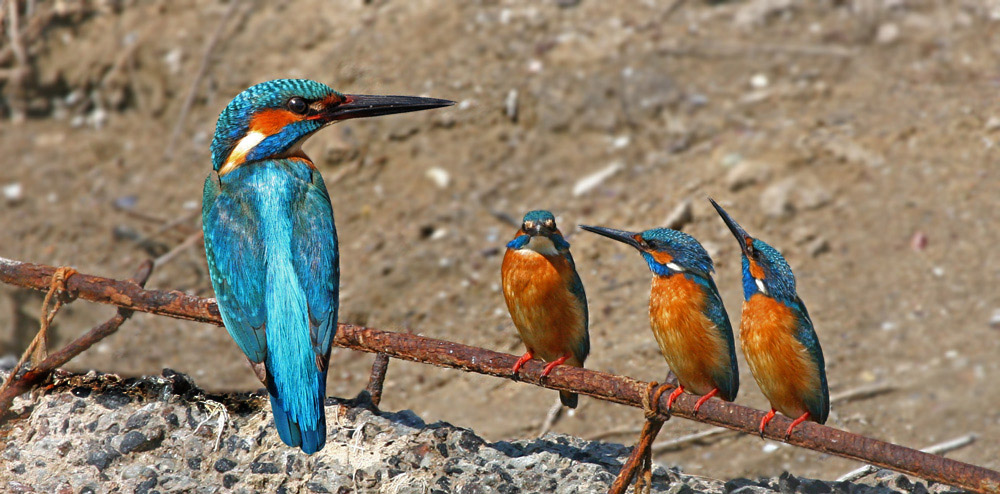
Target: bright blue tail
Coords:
[(309, 437)]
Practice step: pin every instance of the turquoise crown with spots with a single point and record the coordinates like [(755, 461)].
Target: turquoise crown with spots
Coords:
[(685, 250), (234, 121)]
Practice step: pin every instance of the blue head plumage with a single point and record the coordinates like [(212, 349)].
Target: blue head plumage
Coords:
[(666, 251), (764, 268), (277, 110), (273, 118), (539, 223)]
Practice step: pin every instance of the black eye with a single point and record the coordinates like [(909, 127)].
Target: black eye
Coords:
[(297, 105)]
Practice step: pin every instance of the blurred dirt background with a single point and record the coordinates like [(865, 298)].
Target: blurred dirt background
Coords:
[(858, 137)]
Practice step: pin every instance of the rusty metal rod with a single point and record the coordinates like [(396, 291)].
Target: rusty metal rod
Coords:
[(600, 385), (38, 374), (637, 458), (377, 379)]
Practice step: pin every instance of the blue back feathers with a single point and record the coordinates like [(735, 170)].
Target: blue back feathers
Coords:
[(234, 121)]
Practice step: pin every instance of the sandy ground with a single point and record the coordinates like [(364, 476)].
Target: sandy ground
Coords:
[(859, 138)]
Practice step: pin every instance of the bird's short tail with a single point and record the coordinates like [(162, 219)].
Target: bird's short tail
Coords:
[(569, 399), (309, 437)]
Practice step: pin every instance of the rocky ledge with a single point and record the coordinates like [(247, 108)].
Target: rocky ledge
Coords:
[(97, 433)]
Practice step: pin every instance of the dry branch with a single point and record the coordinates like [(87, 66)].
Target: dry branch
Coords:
[(600, 385)]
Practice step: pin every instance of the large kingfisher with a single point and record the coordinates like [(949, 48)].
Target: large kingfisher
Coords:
[(686, 313), (545, 297), (271, 242), (777, 334)]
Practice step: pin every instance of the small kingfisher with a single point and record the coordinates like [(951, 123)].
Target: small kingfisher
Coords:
[(686, 313), (271, 242), (545, 297), (777, 334)]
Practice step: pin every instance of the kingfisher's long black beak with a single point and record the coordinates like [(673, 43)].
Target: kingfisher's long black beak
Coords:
[(622, 236), (741, 235), (364, 105)]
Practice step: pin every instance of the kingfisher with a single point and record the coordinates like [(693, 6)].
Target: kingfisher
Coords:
[(271, 242), (545, 297), (686, 313), (777, 334)]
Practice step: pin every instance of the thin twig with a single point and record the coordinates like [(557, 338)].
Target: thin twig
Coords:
[(188, 242), (551, 417), (684, 440), (206, 59), (600, 385), (862, 392)]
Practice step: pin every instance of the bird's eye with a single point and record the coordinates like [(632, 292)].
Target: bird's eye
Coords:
[(297, 105)]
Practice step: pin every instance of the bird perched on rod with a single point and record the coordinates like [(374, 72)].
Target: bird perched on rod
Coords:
[(777, 334), (686, 313), (545, 297), (271, 242)]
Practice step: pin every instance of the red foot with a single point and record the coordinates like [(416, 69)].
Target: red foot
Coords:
[(521, 361), (552, 365), (763, 423), (705, 398), (803, 418), (673, 396)]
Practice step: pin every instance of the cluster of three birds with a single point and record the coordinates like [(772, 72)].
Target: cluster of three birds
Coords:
[(548, 304), (271, 246)]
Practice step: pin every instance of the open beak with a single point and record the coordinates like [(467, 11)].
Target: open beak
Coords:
[(738, 231), (364, 105), (619, 235)]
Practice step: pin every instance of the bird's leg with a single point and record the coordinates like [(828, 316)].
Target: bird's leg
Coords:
[(703, 399), (796, 422), (763, 423), (673, 396), (552, 365), (521, 361)]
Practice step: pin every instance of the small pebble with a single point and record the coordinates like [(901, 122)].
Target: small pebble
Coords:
[(13, 193)]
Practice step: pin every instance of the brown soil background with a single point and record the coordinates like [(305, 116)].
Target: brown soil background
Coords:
[(840, 132)]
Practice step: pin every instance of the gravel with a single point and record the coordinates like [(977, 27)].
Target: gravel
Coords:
[(101, 433)]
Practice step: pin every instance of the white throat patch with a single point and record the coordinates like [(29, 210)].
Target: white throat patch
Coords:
[(542, 245), (675, 267), (239, 152), (760, 285)]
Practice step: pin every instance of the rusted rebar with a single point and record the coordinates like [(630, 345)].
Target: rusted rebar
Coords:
[(41, 371), (377, 379), (600, 385)]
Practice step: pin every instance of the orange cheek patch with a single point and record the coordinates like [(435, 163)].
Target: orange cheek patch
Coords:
[(755, 270), (270, 122), (662, 257)]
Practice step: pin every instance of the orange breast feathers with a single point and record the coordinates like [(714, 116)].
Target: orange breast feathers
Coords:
[(689, 341), (548, 316), (780, 363)]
